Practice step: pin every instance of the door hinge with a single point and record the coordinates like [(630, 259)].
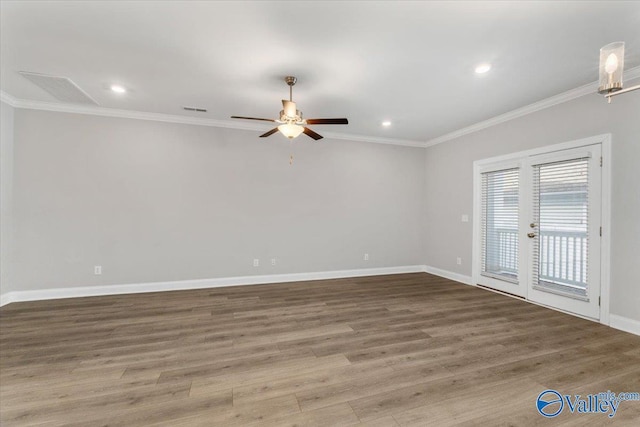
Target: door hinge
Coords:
[(600, 231), (600, 161), (599, 301)]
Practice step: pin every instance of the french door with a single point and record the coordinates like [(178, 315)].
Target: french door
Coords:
[(501, 218), (539, 222)]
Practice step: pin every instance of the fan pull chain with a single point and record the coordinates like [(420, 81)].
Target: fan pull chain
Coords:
[(291, 159)]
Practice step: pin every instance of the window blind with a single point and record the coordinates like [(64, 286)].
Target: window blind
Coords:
[(561, 245), (499, 224)]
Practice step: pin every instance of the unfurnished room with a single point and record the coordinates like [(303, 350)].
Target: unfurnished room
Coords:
[(319, 213)]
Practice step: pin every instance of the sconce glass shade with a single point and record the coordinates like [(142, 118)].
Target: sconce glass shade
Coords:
[(611, 67), (290, 130)]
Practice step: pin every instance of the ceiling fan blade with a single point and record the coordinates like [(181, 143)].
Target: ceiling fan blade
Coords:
[(271, 132), (327, 121), (252, 118), (312, 134), (289, 108)]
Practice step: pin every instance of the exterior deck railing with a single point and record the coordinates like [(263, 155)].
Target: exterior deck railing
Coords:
[(562, 255)]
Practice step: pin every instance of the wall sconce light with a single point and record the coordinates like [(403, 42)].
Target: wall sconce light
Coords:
[(611, 68)]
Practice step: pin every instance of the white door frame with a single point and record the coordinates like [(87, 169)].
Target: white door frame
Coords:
[(605, 215)]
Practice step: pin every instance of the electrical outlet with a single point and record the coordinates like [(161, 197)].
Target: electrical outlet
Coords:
[(459, 261), (366, 257), (97, 270), (273, 261), (256, 262)]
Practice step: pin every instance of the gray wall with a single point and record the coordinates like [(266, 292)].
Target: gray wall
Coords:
[(154, 201), (449, 179), (6, 193), (151, 201)]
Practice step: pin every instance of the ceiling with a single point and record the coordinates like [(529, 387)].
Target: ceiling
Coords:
[(408, 62)]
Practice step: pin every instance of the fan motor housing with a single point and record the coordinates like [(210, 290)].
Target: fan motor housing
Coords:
[(286, 119)]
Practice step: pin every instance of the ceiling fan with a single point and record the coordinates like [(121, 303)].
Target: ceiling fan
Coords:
[(291, 123)]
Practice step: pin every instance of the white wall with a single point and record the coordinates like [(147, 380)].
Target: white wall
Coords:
[(152, 201), (6, 194), (449, 179)]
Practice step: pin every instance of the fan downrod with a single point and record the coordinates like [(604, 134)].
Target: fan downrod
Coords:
[(290, 80)]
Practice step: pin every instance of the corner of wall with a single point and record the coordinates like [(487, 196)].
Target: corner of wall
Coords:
[(6, 193)]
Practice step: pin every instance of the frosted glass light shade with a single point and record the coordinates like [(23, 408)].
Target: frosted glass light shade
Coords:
[(290, 130), (611, 67)]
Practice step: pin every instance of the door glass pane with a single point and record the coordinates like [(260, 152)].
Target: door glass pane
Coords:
[(499, 224), (561, 217)]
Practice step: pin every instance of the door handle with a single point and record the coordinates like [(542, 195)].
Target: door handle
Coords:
[(531, 235)]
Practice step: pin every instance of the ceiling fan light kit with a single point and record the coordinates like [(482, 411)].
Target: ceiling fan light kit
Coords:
[(291, 123), (611, 69), (290, 130)]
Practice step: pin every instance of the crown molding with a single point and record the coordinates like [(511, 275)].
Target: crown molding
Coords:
[(588, 89), (374, 139), (8, 99), (125, 114), (171, 118)]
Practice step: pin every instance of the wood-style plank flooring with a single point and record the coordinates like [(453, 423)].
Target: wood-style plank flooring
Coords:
[(409, 350)]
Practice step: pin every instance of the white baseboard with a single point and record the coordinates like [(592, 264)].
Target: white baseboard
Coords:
[(624, 324), (134, 288), (617, 322), (448, 275)]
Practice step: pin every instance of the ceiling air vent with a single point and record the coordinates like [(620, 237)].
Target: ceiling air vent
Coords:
[(196, 109), (62, 88)]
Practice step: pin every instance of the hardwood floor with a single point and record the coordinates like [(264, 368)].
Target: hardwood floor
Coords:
[(410, 349)]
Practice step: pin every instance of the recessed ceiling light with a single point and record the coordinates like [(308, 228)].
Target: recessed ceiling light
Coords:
[(118, 89), (483, 68), (386, 123)]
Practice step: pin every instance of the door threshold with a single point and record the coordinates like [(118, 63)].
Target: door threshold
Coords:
[(501, 292), (521, 298)]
